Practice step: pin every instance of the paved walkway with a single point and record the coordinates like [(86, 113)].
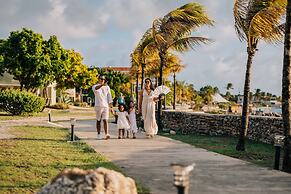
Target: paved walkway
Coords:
[(148, 160)]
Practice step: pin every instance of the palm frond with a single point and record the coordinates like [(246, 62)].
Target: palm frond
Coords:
[(184, 44), (266, 24), (240, 10)]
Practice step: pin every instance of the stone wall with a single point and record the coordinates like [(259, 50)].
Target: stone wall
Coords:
[(261, 129)]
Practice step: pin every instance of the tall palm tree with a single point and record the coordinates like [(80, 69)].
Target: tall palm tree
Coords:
[(135, 69), (141, 52), (173, 32), (256, 20), (286, 92), (175, 66)]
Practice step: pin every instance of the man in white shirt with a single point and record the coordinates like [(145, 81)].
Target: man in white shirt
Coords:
[(103, 101)]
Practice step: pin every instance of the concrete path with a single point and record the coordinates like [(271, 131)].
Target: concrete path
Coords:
[(148, 161)]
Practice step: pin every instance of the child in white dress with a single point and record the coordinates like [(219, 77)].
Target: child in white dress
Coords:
[(122, 121), (132, 119)]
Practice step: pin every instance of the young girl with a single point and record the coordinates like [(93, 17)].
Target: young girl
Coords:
[(122, 121), (132, 119)]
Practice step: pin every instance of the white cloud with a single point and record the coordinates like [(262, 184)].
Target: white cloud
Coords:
[(105, 31)]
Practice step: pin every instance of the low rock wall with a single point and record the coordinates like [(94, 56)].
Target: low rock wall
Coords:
[(261, 129)]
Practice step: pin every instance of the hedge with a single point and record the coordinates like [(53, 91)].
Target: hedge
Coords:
[(19, 102)]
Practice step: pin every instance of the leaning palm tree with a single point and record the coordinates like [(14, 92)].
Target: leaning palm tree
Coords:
[(173, 32), (141, 52), (286, 92), (256, 20)]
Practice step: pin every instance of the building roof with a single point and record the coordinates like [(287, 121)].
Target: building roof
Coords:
[(218, 98), (120, 69), (7, 79)]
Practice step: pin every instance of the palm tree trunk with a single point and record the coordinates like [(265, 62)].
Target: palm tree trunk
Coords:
[(142, 74), (136, 89), (286, 93), (174, 103), (162, 65), (245, 109)]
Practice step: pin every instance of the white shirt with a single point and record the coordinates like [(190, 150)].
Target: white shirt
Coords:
[(102, 96)]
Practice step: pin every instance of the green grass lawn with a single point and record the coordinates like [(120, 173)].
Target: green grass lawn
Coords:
[(258, 153), (40, 153), (54, 113)]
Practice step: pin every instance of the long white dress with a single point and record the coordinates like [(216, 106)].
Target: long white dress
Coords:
[(132, 119), (122, 122), (148, 113)]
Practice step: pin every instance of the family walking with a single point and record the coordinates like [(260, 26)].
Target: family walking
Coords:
[(126, 119)]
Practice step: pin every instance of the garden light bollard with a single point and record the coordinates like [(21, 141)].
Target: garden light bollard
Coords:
[(49, 116), (181, 177), (278, 143), (73, 122)]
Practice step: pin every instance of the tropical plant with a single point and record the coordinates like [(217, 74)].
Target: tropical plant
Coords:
[(140, 54), (286, 92), (207, 93), (173, 32), (256, 20), (175, 65)]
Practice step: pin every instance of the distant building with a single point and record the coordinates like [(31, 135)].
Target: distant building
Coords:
[(125, 70)]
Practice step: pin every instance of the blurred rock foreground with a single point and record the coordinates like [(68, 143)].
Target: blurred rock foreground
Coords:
[(99, 181)]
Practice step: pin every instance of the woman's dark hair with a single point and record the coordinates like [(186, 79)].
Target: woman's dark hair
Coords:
[(120, 105), (148, 79)]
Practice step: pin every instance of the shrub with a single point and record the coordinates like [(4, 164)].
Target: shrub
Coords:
[(19, 102), (60, 106), (81, 104)]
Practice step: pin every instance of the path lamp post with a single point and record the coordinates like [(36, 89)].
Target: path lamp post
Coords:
[(73, 122), (278, 143), (181, 177), (49, 116)]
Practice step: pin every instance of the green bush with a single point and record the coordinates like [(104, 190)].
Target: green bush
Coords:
[(60, 106), (19, 102)]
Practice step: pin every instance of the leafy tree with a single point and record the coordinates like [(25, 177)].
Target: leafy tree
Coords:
[(25, 58), (207, 92), (286, 92), (256, 20), (1, 57), (74, 73), (229, 86), (116, 80)]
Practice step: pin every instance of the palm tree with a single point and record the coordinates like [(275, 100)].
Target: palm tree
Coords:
[(256, 20), (173, 31), (175, 66), (286, 93), (135, 69), (141, 52)]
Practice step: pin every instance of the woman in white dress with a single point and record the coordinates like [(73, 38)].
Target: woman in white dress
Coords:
[(147, 104)]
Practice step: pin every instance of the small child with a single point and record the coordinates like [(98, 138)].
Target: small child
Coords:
[(122, 121), (132, 119)]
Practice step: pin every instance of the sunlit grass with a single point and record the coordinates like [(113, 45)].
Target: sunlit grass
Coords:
[(40, 153), (258, 153)]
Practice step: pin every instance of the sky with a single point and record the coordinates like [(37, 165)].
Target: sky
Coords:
[(106, 31)]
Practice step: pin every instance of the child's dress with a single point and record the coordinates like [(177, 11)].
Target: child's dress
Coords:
[(122, 122), (132, 119)]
